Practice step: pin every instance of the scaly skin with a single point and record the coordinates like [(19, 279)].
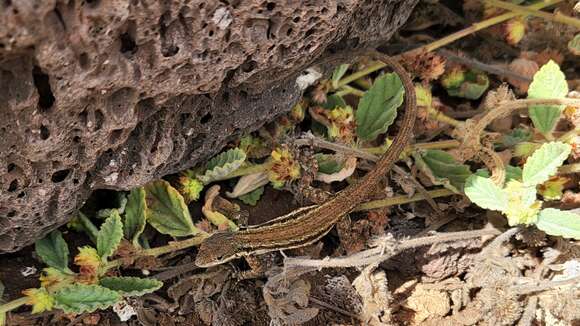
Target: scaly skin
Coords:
[(308, 224)]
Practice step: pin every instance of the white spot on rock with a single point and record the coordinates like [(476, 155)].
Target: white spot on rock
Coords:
[(222, 18), (27, 271), (112, 178), (308, 77)]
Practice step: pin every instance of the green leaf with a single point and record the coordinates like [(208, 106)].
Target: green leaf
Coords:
[(134, 223), (131, 286), (109, 236), (252, 197), (220, 166), (544, 162), (560, 223), (485, 194), (574, 45), (513, 173), (442, 169), (328, 163), (79, 298), (333, 101), (53, 251), (377, 109), (474, 85), (338, 73), (516, 136), (120, 201), (549, 82), (166, 210)]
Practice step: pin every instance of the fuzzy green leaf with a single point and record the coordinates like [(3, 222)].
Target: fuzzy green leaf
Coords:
[(516, 136), (544, 162), (338, 73), (574, 45), (109, 235), (79, 298), (442, 169), (252, 197), (328, 164), (561, 223), (53, 251), (134, 223), (220, 166), (548, 82), (485, 194), (377, 109), (166, 210), (511, 173), (131, 286), (474, 85)]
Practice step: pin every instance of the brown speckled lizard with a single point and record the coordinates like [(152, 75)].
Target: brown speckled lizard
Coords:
[(306, 225)]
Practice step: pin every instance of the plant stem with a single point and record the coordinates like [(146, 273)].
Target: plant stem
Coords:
[(442, 117), (359, 74), (344, 90), (442, 144), (89, 227), (446, 40), (399, 200), (476, 27), (13, 304), (521, 10), (570, 135)]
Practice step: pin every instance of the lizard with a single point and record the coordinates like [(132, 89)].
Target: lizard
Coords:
[(307, 225)]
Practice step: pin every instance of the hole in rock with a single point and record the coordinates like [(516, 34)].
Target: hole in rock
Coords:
[(11, 214), (42, 83), (60, 176), (206, 118), (13, 186), (270, 6), (44, 132), (128, 45), (11, 167)]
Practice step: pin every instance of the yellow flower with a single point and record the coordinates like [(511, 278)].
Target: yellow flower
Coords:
[(523, 208), (39, 299), (190, 188), (283, 167), (52, 278), (89, 262)]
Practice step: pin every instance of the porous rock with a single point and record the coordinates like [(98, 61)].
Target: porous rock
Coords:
[(111, 94)]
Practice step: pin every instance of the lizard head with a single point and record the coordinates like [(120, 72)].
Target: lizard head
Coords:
[(219, 248)]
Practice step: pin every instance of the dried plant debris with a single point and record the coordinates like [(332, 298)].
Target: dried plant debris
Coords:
[(477, 223)]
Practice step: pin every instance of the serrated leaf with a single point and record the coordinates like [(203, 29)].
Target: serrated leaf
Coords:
[(252, 197), (485, 194), (222, 165), (333, 101), (549, 82), (544, 162), (166, 210), (560, 223), (134, 222), (442, 169), (79, 298), (338, 73), (377, 109), (109, 235), (131, 286), (53, 251)]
